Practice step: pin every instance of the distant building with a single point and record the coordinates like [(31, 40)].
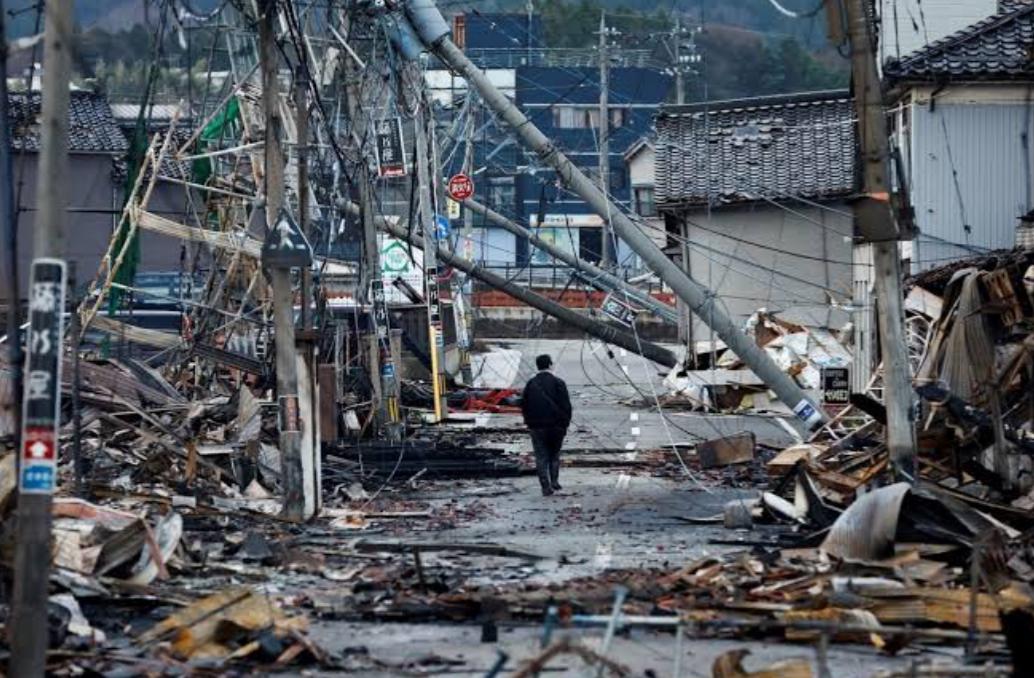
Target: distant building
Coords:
[(754, 194), (963, 117), (91, 193)]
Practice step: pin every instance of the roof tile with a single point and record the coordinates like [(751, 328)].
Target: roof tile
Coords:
[(91, 126), (766, 148), (997, 48)]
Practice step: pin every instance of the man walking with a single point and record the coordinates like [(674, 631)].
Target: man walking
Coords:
[(547, 414)]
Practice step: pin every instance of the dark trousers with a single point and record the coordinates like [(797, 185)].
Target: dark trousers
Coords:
[(547, 443)]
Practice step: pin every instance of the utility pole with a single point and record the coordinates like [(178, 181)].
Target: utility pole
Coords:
[(461, 307), (301, 109), (379, 360), (608, 256), (680, 80), (9, 214), (434, 33), (37, 471), (280, 274), (429, 225), (530, 8), (875, 218)]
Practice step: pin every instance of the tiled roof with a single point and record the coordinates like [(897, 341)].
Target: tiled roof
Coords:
[(746, 150), (91, 126), (1000, 47)]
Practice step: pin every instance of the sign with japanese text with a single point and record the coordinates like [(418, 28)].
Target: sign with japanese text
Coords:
[(391, 156), (288, 413), (461, 187), (452, 209), (618, 310), (836, 387), (41, 413)]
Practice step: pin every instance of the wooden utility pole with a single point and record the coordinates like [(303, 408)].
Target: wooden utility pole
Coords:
[(280, 274), (37, 470), (875, 219), (607, 254), (428, 223)]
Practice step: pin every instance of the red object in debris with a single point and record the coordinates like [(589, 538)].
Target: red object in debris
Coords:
[(461, 187), (492, 401)]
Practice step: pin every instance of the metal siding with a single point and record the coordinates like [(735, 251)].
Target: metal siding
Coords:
[(986, 145), (749, 257)]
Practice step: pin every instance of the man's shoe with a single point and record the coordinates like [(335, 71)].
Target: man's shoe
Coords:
[(556, 487), (546, 493)]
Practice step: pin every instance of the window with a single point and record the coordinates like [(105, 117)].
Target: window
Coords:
[(501, 194), (587, 117), (459, 30), (644, 204), (619, 117), (568, 117), (617, 179)]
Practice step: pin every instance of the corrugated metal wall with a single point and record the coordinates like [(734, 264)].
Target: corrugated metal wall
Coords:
[(985, 144)]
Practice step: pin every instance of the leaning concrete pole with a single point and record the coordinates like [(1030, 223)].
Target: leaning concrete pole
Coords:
[(593, 274), (434, 33)]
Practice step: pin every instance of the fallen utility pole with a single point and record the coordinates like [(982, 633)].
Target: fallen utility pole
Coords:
[(876, 223), (592, 274), (602, 331), (434, 32), (37, 461), (280, 276)]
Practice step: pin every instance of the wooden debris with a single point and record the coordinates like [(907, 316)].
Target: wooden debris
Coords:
[(735, 449), (730, 665)]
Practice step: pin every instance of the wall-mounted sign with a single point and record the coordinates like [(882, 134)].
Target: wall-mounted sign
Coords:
[(391, 156), (836, 386)]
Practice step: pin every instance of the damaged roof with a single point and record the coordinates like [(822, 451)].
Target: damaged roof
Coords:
[(1000, 47), (91, 126), (744, 150)]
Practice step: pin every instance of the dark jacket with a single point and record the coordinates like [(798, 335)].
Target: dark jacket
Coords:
[(545, 403)]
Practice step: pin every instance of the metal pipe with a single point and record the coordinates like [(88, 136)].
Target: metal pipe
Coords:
[(592, 274), (698, 297)]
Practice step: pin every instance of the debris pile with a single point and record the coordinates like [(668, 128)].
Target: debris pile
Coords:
[(721, 381)]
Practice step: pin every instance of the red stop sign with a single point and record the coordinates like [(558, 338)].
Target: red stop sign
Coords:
[(461, 187)]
